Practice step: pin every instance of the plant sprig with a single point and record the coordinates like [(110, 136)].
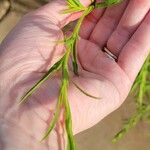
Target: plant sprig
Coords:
[(141, 89), (62, 65), (74, 6), (132, 122)]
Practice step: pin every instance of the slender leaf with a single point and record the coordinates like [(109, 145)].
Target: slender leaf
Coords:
[(74, 56), (55, 118), (74, 39), (72, 10), (84, 92), (52, 70), (107, 3), (75, 3)]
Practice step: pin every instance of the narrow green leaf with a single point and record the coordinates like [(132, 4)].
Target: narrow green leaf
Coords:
[(107, 3), (135, 86), (74, 58), (84, 92), (62, 96), (74, 6), (74, 39), (144, 77), (55, 118), (72, 10), (75, 3), (110, 2), (52, 70)]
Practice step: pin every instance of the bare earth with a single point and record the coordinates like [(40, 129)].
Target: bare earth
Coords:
[(98, 137)]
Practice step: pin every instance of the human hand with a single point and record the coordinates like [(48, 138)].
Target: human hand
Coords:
[(29, 50)]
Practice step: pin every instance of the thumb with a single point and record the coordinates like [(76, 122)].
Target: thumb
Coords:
[(54, 11)]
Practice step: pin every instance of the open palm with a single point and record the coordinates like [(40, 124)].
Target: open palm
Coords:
[(30, 49)]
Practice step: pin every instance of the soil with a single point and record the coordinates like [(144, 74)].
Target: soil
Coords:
[(99, 137)]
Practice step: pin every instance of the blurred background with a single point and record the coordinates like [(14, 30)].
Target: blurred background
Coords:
[(99, 137)]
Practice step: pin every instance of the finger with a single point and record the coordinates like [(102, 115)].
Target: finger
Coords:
[(136, 50), (133, 16), (90, 22), (54, 12), (107, 24), (99, 63)]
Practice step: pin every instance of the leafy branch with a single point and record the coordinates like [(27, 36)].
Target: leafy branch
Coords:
[(132, 122), (62, 65), (74, 6), (141, 88)]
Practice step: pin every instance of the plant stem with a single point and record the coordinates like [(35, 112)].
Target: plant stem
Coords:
[(75, 37), (68, 117), (142, 108), (144, 76)]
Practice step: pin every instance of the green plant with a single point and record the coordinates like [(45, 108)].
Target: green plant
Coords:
[(141, 89), (62, 64)]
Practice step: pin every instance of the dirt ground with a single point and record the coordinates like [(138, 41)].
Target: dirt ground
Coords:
[(99, 137)]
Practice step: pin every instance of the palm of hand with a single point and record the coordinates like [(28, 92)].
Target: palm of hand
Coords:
[(99, 76)]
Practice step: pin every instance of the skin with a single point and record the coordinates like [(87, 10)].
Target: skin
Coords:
[(30, 49)]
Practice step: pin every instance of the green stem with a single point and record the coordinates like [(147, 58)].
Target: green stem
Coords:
[(68, 118), (85, 13), (74, 39), (56, 116), (144, 76)]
